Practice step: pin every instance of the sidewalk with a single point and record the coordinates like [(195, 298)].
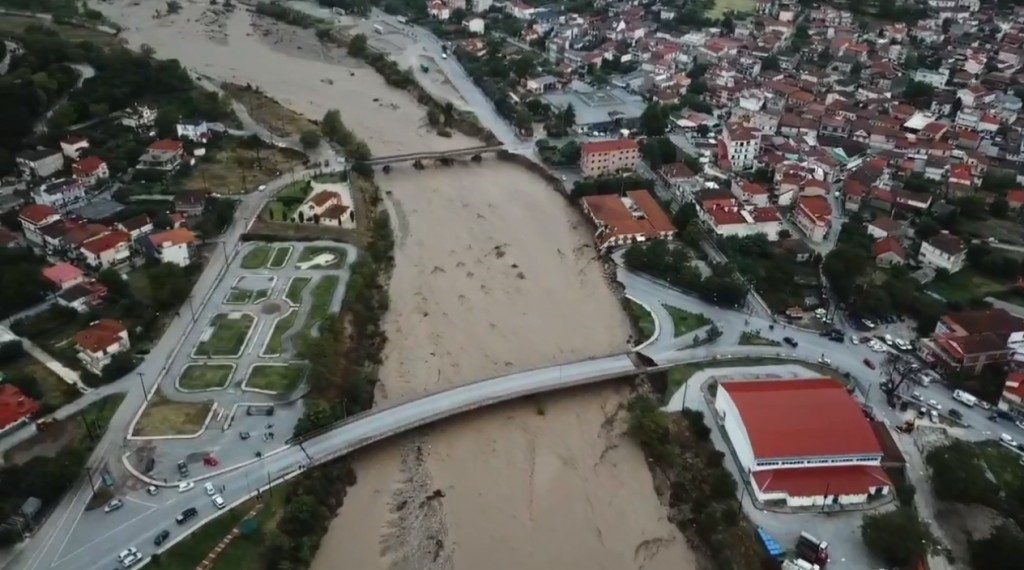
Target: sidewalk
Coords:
[(212, 556)]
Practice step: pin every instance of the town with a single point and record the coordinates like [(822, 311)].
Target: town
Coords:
[(805, 219)]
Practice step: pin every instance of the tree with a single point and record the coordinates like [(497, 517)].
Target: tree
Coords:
[(654, 120), (120, 364), (972, 206), (358, 46), (117, 286), (770, 63), (524, 120), (433, 116), (569, 116), (999, 207), (919, 93), (1002, 549), (309, 139), (927, 228), (958, 475), (843, 267), (898, 537)]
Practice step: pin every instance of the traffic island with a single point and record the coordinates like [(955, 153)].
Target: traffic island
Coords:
[(321, 257), (162, 418), (295, 288), (278, 378), (684, 321), (200, 377), (274, 345), (225, 336)]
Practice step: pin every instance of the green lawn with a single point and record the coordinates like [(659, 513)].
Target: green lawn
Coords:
[(205, 376), (164, 417), (280, 257), (256, 257), (260, 295), (280, 378), (228, 336), (311, 251), (281, 326), (322, 294), (238, 297), (644, 319), (723, 6), (295, 288), (55, 391), (685, 321), (965, 285)]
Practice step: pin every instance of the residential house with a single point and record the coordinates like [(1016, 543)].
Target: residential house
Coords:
[(742, 146), (195, 130), (136, 226), (943, 251), (724, 214), (882, 227), (680, 179), (750, 193), (90, 170), (100, 342), (175, 246), (190, 202), (1015, 198), (609, 156), (15, 407), (971, 339), (813, 216), (338, 215), (164, 154), (107, 250), (620, 220), (887, 252), (40, 163), (34, 217), (139, 117), (1012, 398), (542, 84), (63, 275), (64, 194), (73, 146), (82, 297)]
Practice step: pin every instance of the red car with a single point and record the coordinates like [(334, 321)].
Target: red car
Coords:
[(869, 363), (210, 461)]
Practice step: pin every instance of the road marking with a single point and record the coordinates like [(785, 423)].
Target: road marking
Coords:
[(56, 529), (142, 502), (114, 531)]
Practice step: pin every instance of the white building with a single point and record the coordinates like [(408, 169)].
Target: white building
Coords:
[(727, 217), (107, 250), (742, 146), (63, 195), (196, 130), (802, 442), (175, 246), (140, 118), (813, 215), (100, 342), (935, 77), (33, 218), (943, 251)]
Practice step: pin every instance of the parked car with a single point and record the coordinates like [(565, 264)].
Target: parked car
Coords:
[(854, 339), (161, 537), (113, 505), (869, 363), (956, 414), (218, 501), (186, 515), (152, 490), (210, 491), (917, 396), (823, 360), (1007, 440), (186, 486), (934, 404), (126, 553), (933, 416), (790, 341), (183, 469)]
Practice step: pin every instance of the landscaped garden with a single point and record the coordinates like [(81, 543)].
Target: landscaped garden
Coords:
[(257, 257), (295, 288), (644, 318), (281, 327), (238, 297), (685, 321), (162, 417), (322, 295), (205, 376), (225, 336), (280, 257), (279, 378), (329, 257)]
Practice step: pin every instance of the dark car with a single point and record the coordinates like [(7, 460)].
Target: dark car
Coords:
[(183, 469), (956, 414), (186, 515), (162, 537), (869, 363), (790, 341)]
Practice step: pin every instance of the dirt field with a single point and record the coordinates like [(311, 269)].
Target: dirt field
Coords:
[(278, 119), (234, 170), (494, 273)]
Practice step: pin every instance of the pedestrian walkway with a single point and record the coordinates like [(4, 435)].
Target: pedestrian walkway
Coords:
[(212, 556)]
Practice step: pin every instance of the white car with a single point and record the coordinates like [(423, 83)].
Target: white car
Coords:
[(825, 361), (210, 491), (186, 486), (934, 404), (917, 396), (218, 501), (130, 551), (1007, 440), (933, 416), (888, 339), (131, 560), (854, 339), (152, 490), (113, 506), (1019, 424), (262, 187)]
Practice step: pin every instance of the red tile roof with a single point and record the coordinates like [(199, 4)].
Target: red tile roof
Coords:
[(106, 242), (14, 405), (87, 166), (335, 212), (322, 198), (36, 213), (1015, 196), (815, 481), (166, 145), (609, 146), (753, 188), (62, 273), (1014, 385), (801, 418), (173, 237), (816, 207), (888, 244), (103, 334)]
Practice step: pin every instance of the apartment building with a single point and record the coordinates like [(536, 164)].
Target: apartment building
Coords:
[(608, 157)]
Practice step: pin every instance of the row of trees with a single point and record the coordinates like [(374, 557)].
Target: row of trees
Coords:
[(674, 265)]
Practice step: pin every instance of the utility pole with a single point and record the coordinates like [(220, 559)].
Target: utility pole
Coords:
[(270, 487), (306, 453), (143, 383)]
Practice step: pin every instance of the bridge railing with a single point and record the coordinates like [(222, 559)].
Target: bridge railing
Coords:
[(433, 154)]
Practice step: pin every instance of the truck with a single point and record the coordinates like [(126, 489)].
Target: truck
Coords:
[(378, 28), (812, 550), (964, 398), (401, 19)]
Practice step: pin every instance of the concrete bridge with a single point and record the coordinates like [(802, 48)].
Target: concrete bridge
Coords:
[(433, 155)]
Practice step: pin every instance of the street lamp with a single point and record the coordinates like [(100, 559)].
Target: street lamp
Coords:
[(143, 383)]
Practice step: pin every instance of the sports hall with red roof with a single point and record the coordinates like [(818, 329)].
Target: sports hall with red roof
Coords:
[(804, 442)]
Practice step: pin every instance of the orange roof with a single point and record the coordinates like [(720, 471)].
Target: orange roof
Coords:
[(888, 244), (609, 146), (335, 212), (170, 238), (103, 334), (61, 273), (106, 242), (322, 198), (611, 211), (36, 213), (1015, 196), (14, 405), (753, 188), (87, 166), (801, 418), (816, 207)]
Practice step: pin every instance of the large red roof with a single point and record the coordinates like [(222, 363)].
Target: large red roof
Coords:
[(36, 213), (14, 405), (611, 210), (609, 145), (801, 418), (814, 481)]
